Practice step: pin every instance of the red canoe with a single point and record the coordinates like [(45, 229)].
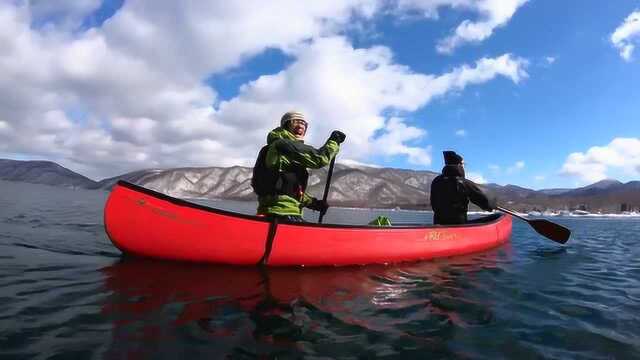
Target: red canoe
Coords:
[(146, 223)]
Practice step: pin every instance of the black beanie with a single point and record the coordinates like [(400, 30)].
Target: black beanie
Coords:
[(451, 158)]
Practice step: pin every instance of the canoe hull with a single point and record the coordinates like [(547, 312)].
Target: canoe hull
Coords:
[(145, 223)]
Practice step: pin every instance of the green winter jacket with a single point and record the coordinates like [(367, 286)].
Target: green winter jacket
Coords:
[(285, 151)]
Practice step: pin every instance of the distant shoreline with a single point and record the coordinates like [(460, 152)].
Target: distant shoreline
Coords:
[(360, 188)]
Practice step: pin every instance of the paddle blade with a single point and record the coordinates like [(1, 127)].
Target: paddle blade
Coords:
[(553, 231)]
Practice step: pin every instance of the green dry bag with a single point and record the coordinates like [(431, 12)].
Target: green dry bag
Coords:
[(380, 221)]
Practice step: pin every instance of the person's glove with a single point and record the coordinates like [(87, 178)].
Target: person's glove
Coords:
[(319, 205), (337, 136)]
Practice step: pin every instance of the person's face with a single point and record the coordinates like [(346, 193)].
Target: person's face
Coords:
[(298, 128)]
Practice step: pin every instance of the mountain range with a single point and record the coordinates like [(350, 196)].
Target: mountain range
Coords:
[(352, 186)]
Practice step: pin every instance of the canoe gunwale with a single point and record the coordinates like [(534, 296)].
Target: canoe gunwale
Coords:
[(181, 202)]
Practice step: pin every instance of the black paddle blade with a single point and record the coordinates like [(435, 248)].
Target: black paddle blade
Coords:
[(553, 231)]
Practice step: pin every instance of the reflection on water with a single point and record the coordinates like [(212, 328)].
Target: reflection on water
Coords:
[(66, 294), (375, 309)]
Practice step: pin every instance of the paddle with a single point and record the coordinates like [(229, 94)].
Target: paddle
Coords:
[(326, 187), (546, 228), (269, 244)]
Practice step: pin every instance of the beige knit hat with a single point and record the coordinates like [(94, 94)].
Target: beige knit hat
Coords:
[(291, 115)]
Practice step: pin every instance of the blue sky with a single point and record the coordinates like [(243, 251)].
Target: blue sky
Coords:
[(540, 94)]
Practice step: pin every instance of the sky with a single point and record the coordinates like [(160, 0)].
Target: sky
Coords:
[(535, 93)]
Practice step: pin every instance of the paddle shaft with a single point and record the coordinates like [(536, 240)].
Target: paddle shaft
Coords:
[(512, 213), (269, 243), (327, 186)]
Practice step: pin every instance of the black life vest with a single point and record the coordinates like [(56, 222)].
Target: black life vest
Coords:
[(457, 193), (266, 181), (449, 197)]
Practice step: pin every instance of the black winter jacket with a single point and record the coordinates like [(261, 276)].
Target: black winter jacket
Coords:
[(450, 196)]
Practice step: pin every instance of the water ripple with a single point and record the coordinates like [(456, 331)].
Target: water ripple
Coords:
[(66, 293)]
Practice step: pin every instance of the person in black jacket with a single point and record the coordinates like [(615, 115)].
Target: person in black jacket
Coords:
[(451, 193)]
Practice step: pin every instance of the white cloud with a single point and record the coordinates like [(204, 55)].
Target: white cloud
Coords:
[(131, 93), (476, 178), (492, 14), (215, 35), (511, 169), (546, 61), (4, 127), (627, 35), (539, 178), (346, 88), (134, 130), (392, 142), (594, 164), (519, 165), (430, 8), (66, 14), (461, 132), (355, 163), (488, 68)]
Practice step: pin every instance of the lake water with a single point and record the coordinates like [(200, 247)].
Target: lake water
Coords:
[(66, 293)]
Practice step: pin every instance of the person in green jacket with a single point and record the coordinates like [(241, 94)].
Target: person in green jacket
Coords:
[(280, 174)]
